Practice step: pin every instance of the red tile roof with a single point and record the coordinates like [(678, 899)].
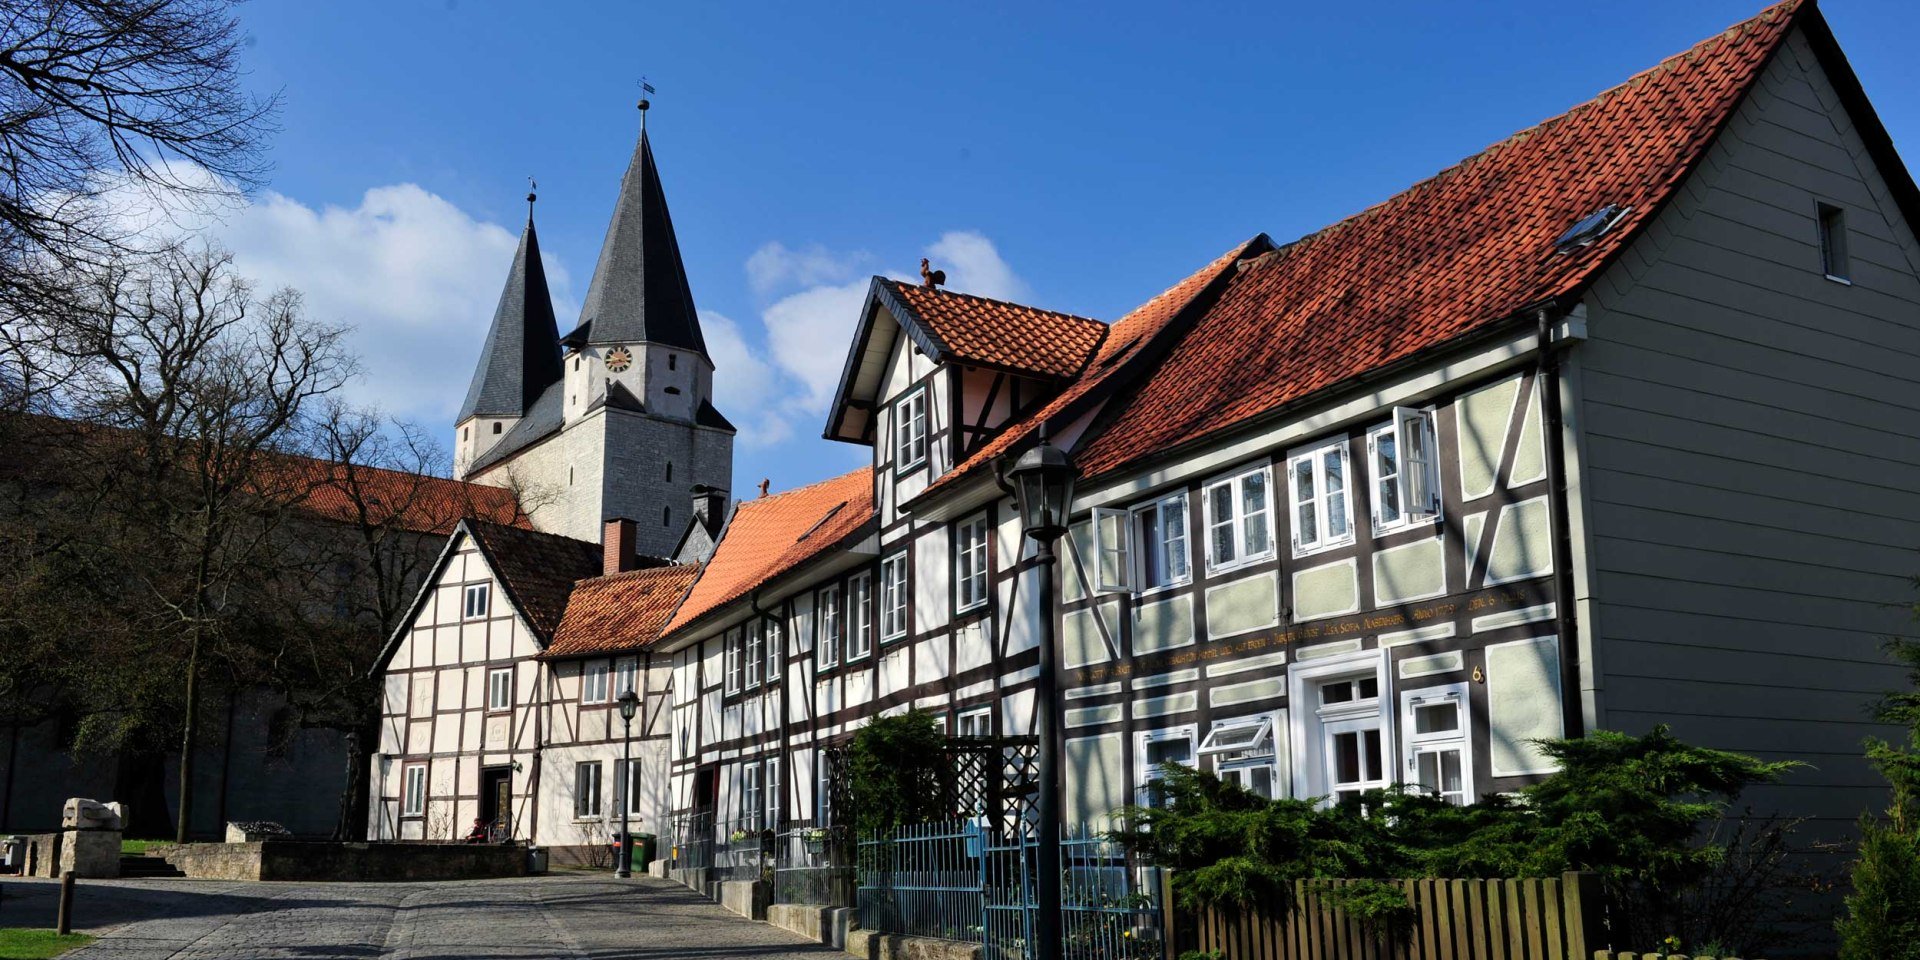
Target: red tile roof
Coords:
[(1455, 254), (1129, 342), (620, 612), (771, 535), (415, 502), (538, 570), (995, 333)]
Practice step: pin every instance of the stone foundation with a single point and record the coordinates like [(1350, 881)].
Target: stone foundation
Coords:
[(891, 946), (816, 922), (747, 898), (344, 862), (91, 854)]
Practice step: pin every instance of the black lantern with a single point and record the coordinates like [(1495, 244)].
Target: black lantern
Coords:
[(629, 704), (1043, 480)]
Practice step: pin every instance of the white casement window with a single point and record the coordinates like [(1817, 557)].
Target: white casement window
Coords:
[(1433, 729), (1142, 549), (595, 678), (752, 656), (822, 789), (477, 600), (626, 675), (1112, 551), (826, 646), (586, 790), (732, 644), (970, 563), (750, 811), (1239, 512), (774, 797), (910, 430), (1242, 750), (975, 723), (1352, 733), (627, 785), (859, 617), (1153, 748), (413, 791), (776, 652), (1317, 486), (893, 597), (1405, 474), (500, 689)]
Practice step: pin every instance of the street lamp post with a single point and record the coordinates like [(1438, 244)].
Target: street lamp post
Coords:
[(1043, 480), (629, 705)]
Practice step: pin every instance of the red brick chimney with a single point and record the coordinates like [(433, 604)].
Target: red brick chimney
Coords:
[(619, 546)]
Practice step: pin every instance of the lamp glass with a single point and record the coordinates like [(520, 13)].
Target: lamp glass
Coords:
[(629, 704), (1043, 482)]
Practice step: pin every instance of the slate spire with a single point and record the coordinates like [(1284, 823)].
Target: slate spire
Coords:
[(521, 358), (639, 290)]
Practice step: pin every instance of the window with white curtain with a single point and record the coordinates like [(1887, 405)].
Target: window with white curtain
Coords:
[(910, 430), (893, 597), (970, 563), (594, 680), (1239, 512), (500, 689), (776, 651), (626, 675), (859, 616), (1317, 487), (751, 659), (750, 811), (826, 646)]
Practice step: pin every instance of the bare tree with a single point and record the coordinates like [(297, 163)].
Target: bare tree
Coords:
[(100, 95)]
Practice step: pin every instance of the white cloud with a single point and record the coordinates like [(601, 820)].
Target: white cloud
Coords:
[(808, 334), (774, 266), (746, 388), (974, 266)]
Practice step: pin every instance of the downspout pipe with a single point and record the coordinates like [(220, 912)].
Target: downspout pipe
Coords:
[(1547, 383)]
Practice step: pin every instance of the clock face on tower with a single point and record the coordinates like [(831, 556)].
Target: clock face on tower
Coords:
[(619, 359)]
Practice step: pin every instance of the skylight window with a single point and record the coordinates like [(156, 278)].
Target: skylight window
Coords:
[(1591, 227)]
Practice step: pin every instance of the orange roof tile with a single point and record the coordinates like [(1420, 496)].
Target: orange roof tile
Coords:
[(771, 535), (1128, 341), (620, 612), (415, 502), (995, 333), (1465, 250)]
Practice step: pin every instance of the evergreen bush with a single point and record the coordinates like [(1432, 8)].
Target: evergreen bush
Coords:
[(1882, 919), (897, 773)]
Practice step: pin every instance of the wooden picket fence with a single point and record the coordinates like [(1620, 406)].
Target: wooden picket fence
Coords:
[(1537, 919)]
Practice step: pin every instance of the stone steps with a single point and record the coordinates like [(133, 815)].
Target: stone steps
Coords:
[(136, 866)]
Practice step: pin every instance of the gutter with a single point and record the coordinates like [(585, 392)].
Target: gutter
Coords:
[(1547, 384)]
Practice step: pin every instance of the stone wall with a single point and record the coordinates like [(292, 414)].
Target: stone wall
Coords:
[(344, 862)]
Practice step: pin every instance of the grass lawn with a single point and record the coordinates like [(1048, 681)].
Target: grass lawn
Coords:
[(137, 847), (18, 944)]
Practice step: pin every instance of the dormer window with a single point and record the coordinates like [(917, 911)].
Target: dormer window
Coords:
[(910, 430)]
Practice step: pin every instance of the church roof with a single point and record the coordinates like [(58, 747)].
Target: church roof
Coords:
[(521, 357), (639, 290), (544, 417)]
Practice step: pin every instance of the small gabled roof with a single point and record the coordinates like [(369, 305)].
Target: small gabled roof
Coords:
[(772, 535), (620, 612), (521, 356), (639, 290), (1466, 251), (958, 328), (537, 570)]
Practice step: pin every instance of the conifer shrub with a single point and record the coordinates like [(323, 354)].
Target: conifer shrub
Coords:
[(1882, 918), (897, 773)]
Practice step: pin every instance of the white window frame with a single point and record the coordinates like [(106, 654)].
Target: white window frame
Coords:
[(831, 629), (749, 808), (1237, 523), (476, 601), (977, 722), (626, 783), (596, 679), (587, 803), (626, 676), (1308, 733), (1236, 760), (499, 689), (1415, 482), (770, 786), (413, 790), (910, 430), (1112, 550), (822, 789), (775, 645), (1322, 497), (970, 575), (751, 657), (1172, 551), (1414, 743), (731, 642), (860, 617), (893, 597), (1145, 774)]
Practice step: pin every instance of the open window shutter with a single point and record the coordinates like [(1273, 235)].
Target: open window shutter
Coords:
[(1282, 755), (1112, 553), (1413, 429), (1373, 478)]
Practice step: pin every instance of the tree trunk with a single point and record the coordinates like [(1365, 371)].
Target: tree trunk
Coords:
[(185, 813), (354, 796)]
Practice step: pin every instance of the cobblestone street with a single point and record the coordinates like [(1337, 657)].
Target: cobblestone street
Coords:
[(564, 916)]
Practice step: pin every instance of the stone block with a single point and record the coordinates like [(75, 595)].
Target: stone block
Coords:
[(747, 898), (246, 831), (90, 854), (889, 946)]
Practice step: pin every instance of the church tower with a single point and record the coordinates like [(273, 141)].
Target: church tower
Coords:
[(615, 419)]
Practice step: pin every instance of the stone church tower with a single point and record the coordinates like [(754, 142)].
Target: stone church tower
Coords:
[(613, 420)]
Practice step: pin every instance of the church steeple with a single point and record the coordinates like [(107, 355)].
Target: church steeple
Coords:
[(639, 291), (521, 358)]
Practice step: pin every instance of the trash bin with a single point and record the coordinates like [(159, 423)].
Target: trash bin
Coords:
[(644, 845), (536, 860)]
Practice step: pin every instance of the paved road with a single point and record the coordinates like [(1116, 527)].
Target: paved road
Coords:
[(560, 916)]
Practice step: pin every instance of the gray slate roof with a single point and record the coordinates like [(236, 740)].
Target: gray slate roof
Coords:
[(545, 416), (521, 358), (639, 290)]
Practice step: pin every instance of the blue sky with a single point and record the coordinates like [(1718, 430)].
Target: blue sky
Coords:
[(1078, 157)]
